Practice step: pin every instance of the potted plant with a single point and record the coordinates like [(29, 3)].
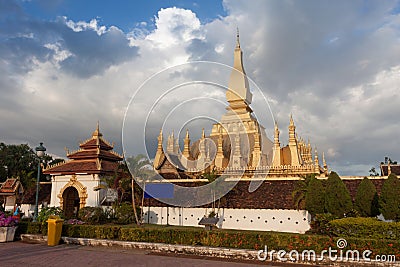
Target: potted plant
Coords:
[(8, 225)]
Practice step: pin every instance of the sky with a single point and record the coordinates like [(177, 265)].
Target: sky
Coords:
[(64, 65)]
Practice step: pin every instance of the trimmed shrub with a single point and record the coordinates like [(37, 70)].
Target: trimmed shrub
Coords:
[(366, 200), (365, 228), (315, 197), (91, 231), (124, 214), (229, 238), (92, 215), (389, 201), (320, 224), (337, 197)]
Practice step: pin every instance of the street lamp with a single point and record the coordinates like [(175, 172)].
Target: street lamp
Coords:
[(39, 153)]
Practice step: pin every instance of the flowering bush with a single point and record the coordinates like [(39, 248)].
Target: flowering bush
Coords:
[(7, 221)]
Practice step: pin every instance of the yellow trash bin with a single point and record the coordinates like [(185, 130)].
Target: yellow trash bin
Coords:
[(54, 228)]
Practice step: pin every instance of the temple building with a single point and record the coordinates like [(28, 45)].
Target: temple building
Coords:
[(77, 182), (238, 142)]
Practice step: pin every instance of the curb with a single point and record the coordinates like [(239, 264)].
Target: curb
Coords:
[(212, 252)]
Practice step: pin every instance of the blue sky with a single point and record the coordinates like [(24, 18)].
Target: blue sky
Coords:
[(64, 65), (123, 14)]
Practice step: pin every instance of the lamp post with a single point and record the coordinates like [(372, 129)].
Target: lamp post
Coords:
[(39, 153)]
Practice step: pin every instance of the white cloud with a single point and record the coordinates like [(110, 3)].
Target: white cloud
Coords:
[(83, 26), (174, 26)]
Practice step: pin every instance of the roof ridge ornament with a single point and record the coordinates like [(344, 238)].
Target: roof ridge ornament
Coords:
[(97, 133)]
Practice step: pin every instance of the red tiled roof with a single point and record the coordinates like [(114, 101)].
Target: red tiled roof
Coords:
[(90, 166), (94, 157), (94, 143), (92, 153), (10, 186)]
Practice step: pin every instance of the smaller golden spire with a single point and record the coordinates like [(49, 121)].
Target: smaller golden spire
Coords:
[(292, 132), (324, 163), (276, 135), (316, 160), (160, 140), (186, 148), (203, 135), (291, 120), (220, 143)]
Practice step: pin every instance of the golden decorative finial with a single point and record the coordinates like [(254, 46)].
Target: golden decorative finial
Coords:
[(203, 135), (237, 38), (187, 134), (97, 133)]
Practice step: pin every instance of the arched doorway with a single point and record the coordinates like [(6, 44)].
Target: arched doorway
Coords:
[(70, 202)]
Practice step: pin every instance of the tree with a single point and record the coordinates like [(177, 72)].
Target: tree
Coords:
[(389, 201), (212, 177), (20, 161), (300, 191), (366, 200), (337, 197), (315, 197), (139, 167)]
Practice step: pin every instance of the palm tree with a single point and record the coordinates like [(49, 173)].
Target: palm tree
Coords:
[(139, 167)]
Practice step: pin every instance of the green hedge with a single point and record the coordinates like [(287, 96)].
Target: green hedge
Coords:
[(219, 238), (365, 228)]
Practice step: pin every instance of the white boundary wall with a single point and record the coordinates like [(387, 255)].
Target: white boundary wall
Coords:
[(294, 221)]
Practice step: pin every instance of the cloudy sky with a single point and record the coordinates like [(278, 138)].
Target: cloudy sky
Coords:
[(64, 65)]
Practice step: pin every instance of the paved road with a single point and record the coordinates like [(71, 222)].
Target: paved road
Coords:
[(24, 254)]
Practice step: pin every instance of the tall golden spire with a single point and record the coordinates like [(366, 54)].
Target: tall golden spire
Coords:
[(238, 94)]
